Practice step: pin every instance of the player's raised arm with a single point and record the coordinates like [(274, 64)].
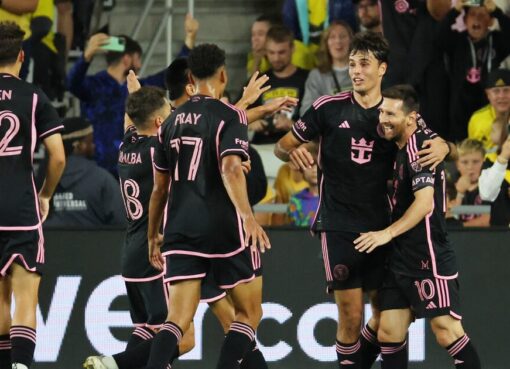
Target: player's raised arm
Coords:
[(235, 184), (56, 164), (421, 206)]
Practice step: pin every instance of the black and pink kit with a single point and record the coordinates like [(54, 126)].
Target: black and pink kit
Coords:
[(202, 227), (26, 116)]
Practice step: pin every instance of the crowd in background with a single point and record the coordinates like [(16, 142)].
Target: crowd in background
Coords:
[(454, 54)]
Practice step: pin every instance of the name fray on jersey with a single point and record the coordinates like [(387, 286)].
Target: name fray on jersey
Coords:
[(65, 201), (242, 143), (130, 158)]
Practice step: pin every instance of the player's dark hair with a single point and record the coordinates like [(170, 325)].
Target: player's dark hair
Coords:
[(176, 78), (11, 40), (407, 94), (204, 60), (371, 42), (272, 19), (132, 47), (280, 34), (140, 105)]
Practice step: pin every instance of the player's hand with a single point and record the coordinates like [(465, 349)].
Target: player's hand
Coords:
[(133, 84), (280, 104), (282, 122), (463, 184), (301, 158), (368, 242), (433, 152), (155, 257), (246, 165), (94, 45), (254, 88), (44, 207), (255, 236), (191, 26)]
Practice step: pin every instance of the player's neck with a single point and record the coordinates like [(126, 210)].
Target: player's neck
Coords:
[(286, 72), (368, 99), (207, 88), (117, 73), (147, 132), (12, 70), (402, 141)]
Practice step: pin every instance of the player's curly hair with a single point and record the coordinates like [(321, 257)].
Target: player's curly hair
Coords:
[(140, 105), (204, 60), (11, 40), (371, 42)]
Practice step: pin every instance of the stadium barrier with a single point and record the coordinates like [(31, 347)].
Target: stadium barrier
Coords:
[(83, 307)]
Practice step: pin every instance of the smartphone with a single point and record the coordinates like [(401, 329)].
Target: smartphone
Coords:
[(474, 3), (115, 43)]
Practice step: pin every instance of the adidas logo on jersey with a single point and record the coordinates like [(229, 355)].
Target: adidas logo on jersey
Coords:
[(344, 124), (347, 362), (458, 362), (431, 305)]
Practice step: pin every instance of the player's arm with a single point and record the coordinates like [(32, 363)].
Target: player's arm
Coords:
[(422, 205), (275, 105), (159, 197), (253, 90), (435, 151), (289, 148), (56, 164), (234, 181)]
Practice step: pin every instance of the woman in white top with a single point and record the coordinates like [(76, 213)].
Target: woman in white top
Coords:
[(332, 73)]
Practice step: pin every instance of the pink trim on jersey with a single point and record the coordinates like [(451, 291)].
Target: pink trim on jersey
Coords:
[(411, 148), (11, 260), (161, 169), (214, 299), (243, 118), (230, 286), (322, 98), (47, 133), (443, 180), (153, 165), (321, 188), (40, 246), (237, 150), (166, 291), (297, 134), (184, 277), (255, 258), (148, 279), (325, 257), (202, 255), (331, 99), (459, 345), (165, 213), (27, 228), (455, 315), (218, 132)]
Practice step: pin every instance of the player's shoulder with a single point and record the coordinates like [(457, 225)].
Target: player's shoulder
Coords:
[(230, 110), (423, 134), (339, 100)]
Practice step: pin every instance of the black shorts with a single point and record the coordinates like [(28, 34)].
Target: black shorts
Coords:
[(25, 248), (347, 268), (426, 297), (225, 273), (148, 302)]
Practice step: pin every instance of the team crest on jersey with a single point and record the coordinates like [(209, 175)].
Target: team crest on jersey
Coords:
[(361, 151), (416, 166), (341, 272)]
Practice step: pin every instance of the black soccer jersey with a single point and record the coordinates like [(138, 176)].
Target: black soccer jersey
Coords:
[(136, 176), (26, 115), (201, 219), (354, 164), (424, 250)]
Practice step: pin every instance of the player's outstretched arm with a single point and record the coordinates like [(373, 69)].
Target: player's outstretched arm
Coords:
[(435, 151), (279, 104), (289, 148), (157, 203), (422, 205), (253, 90), (56, 165), (235, 183)]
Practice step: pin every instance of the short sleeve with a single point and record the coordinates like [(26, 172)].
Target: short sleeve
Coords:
[(421, 177), (160, 160), (47, 121), (307, 128), (233, 138)]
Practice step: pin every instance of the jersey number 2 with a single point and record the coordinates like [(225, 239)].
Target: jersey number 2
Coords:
[(11, 132)]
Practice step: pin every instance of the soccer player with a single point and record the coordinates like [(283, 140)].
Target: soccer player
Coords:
[(355, 163), (422, 281), (26, 116)]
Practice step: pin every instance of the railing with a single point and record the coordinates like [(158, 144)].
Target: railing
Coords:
[(165, 23)]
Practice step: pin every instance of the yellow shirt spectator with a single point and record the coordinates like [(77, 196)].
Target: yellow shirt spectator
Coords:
[(480, 125)]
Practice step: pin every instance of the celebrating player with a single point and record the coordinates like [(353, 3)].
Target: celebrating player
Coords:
[(422, 281), (26, 115)]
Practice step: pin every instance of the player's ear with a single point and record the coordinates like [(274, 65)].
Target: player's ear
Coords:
[(190, 89), (223, 75), (382, 68), (21, 56), (412, 117)]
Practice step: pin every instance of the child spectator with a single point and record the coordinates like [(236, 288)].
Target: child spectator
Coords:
[(472, 55), (469, 164), (303, 205), (332, 73)]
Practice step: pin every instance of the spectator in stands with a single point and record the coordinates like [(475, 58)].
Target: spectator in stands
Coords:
[(452, 220), (303, 205), (65, 22), (308, 18), (332, 73), (472, 55), (494, 181), (257, 60), (498, 93), (369, 15), (87, 195), (469, 164), (19, 12), (103, 95), (410, 27), (285, 79)]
